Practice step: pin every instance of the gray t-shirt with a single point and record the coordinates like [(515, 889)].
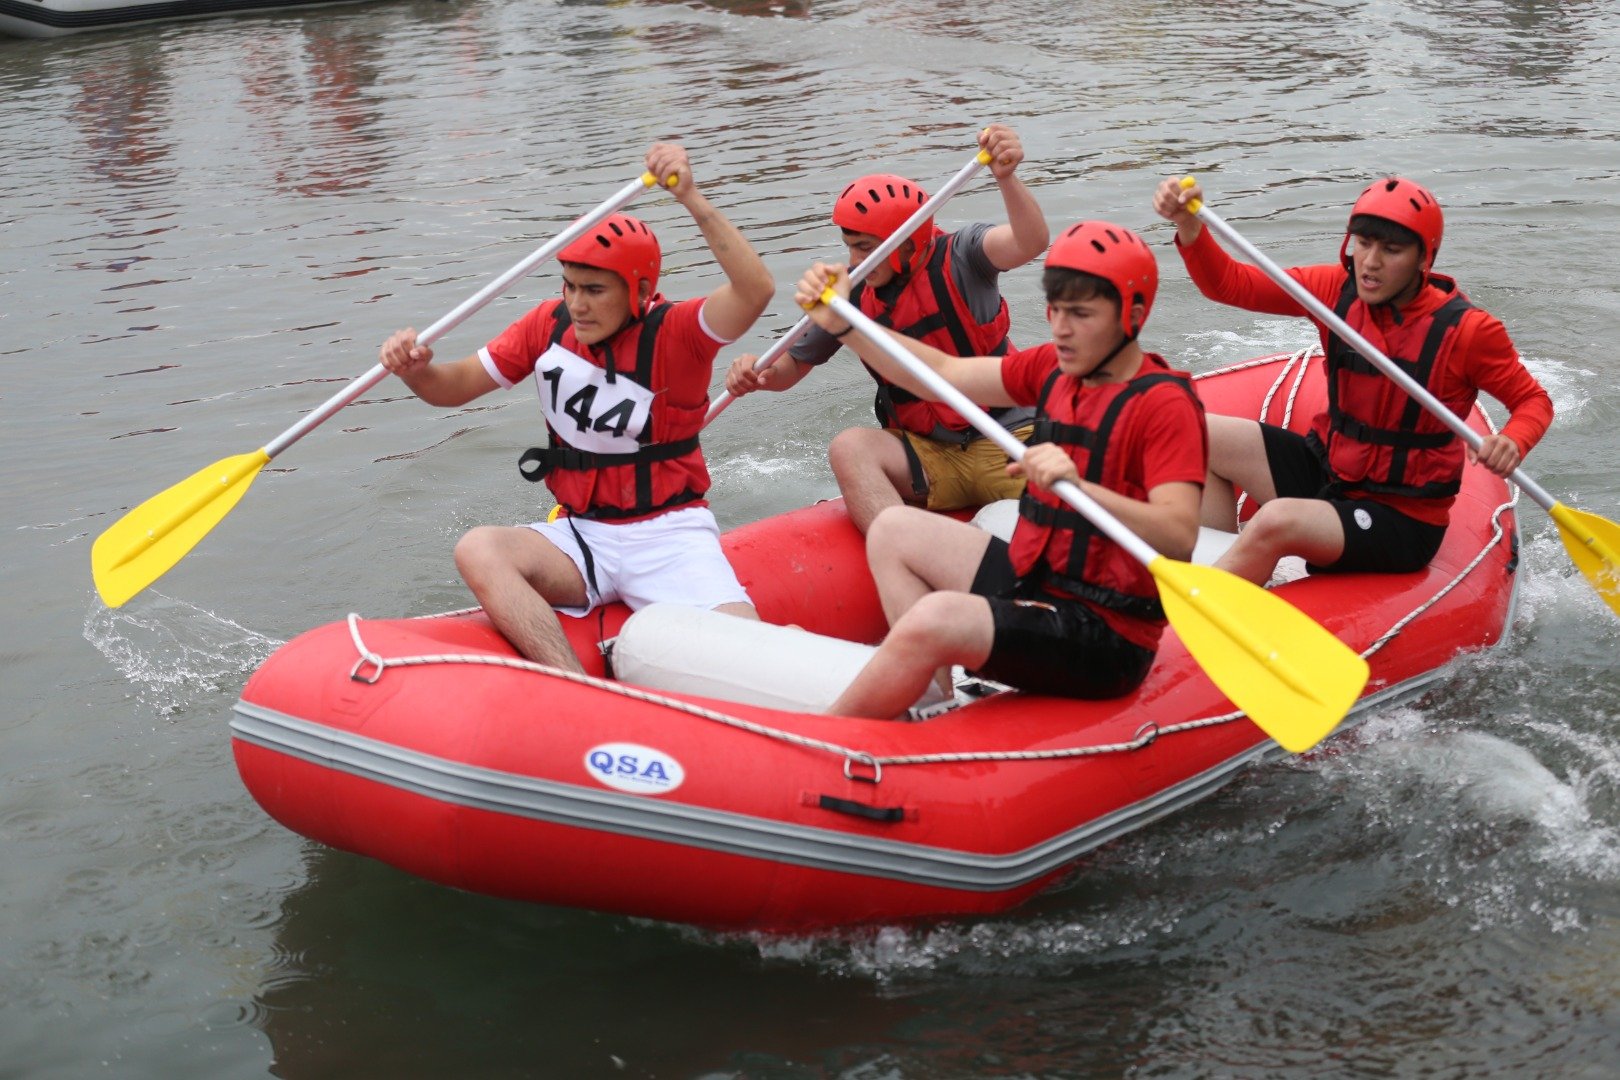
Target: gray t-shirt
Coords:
[(975, 275)]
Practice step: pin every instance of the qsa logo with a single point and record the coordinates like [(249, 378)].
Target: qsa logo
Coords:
[(640, 770)]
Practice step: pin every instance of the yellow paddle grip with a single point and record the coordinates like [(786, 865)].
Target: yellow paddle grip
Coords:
[(1197, 204)]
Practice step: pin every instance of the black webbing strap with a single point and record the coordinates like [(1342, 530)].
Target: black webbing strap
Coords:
[(1403, 438), (1140, 607), (1081, 528), (537, 462), (862, 810)]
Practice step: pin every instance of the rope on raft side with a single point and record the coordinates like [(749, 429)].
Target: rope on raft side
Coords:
[(1145, 735)]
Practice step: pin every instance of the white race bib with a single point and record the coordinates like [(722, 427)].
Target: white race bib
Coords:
[(585, 410)]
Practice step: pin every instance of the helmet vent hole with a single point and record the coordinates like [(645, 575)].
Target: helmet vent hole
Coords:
[(1099, 246), (604, 241)]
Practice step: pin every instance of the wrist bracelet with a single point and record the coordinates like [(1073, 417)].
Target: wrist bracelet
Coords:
[(842, 333)]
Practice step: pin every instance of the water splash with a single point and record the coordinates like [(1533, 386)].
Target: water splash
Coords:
[(1568, 385), (1207, 350), (1554, 592), (176, 653), (1486, 827), (1012, 946), (750, 466)]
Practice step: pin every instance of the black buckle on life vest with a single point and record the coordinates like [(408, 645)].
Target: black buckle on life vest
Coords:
[(1138, 607), (1409, 440), (1047, 516), (1055, 431), (1010, 417), (537, 461)]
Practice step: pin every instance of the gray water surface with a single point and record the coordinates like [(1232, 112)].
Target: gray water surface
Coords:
[(207, 228)]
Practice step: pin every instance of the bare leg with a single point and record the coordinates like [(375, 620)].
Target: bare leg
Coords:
[(913, 552), (872, 472), (941, 629), (517, 575), (1237, 458), (741, 611), (923, 565), (1309, 528)]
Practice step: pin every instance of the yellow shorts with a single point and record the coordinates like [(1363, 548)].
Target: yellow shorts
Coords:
[(970, 474)]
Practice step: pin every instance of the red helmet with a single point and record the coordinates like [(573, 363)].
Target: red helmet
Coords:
[(1407, 204), (623, 245), (1118, 256), (879, 204)]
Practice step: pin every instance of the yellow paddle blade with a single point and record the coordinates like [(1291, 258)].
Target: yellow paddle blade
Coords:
[(1594, 545), (1276, 663), (140, 547)]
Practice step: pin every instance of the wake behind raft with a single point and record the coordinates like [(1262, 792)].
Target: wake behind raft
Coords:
[(714, 794)]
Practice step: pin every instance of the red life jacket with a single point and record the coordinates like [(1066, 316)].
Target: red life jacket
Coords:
[(665, 471), (1377, 438), (930, 308), (1057, 547)]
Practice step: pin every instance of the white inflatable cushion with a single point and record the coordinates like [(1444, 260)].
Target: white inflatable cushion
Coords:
[(998, 518), (685, 650)]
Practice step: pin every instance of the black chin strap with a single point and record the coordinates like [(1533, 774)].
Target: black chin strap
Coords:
[(1115, 351)]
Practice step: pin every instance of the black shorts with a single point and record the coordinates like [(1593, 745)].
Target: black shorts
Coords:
[(1047, 644), (1377, 538)]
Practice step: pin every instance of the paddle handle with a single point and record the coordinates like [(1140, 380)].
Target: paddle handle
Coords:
[(462, 311), (888, 247), (1115, 529), (1416, 390)]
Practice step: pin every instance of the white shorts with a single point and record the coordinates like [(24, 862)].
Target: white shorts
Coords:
[(674, 558)]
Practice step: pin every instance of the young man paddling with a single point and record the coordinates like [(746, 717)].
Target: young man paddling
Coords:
[(623, 378), (942, 288), (1062, 609), (1370, 487)]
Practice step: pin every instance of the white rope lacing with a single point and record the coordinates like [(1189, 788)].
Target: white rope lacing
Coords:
[(1303, 358), (370, 666)]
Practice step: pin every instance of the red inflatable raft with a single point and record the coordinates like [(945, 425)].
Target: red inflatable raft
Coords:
[(428, 744)]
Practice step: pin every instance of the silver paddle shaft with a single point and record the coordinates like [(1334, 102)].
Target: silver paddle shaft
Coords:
[(461, 312), (1416, 390), (867, 265), (1115, 529)]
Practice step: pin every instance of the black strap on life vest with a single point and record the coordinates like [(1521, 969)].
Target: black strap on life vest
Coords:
[(1095, 441), (1138, 607), (537, 462), (1403, 438), (1048, 430), (889, 395), (946, 317)]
